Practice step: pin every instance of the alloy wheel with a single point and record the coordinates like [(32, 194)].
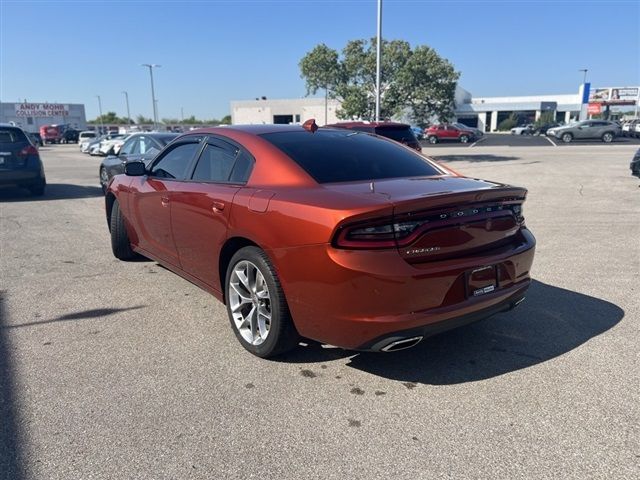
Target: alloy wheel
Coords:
[(250, 302)]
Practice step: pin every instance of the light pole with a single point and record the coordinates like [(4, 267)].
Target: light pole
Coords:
[(150, 66), (126, 96), (101, 119), (378, 49), (584, 70)]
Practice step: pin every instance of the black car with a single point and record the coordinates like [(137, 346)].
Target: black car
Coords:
[(139, 146), (70, 135), (36, 139), (20, 164), (635, 164), (542, 129)]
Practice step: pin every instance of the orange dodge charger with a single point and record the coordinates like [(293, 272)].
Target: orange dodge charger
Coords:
[(339, 236)]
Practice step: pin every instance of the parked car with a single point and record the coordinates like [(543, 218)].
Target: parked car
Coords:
[(94, 147), (20, 163), (542, 129), (35, 138), (418, 132), (636, 130), (477, 133), (70, 135), (635, 164), (350, 240), (439, 133), (84, 138), (522, 130), (588, 129), (138, 146), (51, 133), (109, 144), (400, 132)]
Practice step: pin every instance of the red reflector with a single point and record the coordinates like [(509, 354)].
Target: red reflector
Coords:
[(30, 150)]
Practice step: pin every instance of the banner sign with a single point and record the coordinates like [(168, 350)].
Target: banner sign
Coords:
[(615, 95), (594, 109), (41, 110)]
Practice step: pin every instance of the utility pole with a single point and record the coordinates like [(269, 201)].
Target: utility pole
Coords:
[(101, 119), (126, 96), (151, 66), (378, 50), (584, 70)]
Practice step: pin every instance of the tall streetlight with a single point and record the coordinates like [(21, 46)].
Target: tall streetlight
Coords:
[(378, 49), (100, 110), (151, 66), (126, 96)]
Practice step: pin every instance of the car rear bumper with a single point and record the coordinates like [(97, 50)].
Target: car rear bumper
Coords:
[(362, 299), (21, 177)]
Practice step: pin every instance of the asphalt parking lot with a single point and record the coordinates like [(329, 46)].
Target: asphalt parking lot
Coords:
[(490, 140), (125, 370)]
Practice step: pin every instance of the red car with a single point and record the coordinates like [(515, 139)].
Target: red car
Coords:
[(400, 132), (329, 234), (438, 133)]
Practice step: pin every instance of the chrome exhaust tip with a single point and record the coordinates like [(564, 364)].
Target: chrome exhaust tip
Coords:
[(402, 344)]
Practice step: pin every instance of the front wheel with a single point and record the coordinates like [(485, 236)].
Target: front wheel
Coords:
[(120, 244), (464, 139), (607, 137), (104, 179), (433, 140), (256, 305), (567, 137)]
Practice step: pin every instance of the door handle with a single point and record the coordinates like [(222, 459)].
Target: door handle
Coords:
[(164, 200), (217, 206)]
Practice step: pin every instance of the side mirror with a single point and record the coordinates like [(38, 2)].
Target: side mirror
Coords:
[(135, 169)]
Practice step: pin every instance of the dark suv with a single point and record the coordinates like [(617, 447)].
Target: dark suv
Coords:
[(400, 132), (20, 163)]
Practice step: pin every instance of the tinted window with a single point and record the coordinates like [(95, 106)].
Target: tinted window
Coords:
[(130, 146), (174, 164), (242, 168), (215, 163), (343, 156), (402, 135), (12, 135)]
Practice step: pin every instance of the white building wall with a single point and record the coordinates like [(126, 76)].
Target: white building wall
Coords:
[(263, 111)]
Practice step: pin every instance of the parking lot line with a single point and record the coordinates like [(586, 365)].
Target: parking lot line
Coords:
[(551, 141), (477, 142)]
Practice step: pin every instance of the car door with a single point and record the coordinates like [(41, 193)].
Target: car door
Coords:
[(583, 130), (202, 207), (451, 132), (152, 194)]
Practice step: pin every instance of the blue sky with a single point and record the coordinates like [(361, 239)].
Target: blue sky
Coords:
[(213, 52)]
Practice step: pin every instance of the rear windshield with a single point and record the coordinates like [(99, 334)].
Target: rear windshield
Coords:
[(348, 156), (88, 135), (402, 134), (12, 135), (164, 139)]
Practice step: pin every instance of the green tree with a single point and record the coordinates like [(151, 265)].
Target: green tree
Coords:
[(140, 119), (226, 120), (321, 70), (545, 118), (509, 122), (418, 82), (108, 118)]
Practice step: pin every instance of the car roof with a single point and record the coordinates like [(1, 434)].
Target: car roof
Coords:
[(251, 129), (368, 124)]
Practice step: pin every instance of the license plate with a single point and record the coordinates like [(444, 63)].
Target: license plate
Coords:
[(481, 281)]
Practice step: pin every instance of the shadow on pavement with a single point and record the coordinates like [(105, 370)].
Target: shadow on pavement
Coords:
[(474, 158), (83, 315), (550, 322), (53, 191), (10, 448)]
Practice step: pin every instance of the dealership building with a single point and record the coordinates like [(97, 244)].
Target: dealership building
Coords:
[(31, 116), (485, 113)]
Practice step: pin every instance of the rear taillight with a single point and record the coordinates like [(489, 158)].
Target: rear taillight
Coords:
[(29, 150), (405, 230)]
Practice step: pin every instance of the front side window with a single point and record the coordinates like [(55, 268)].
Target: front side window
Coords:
[(174, 163)]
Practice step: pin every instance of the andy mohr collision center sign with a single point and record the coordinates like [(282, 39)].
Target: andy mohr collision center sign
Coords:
[(41, 110)]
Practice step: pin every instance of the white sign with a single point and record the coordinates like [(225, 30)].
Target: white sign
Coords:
[(41, 110)]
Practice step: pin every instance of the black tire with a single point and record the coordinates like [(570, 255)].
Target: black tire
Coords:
[(120, 244), (433, 140), (464, 138), (566, 137), (38, 190), (607, 137), (104, 179), (282, 335)]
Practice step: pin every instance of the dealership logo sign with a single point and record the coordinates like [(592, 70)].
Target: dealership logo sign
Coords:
[(42, 110)]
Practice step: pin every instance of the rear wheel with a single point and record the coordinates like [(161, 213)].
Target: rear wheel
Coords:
[(464, 139), (433, 140), (567, 137), (607, 137), (120, 244), (256, 305)]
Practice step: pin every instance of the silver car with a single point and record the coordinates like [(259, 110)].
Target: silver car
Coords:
[(588, 129)]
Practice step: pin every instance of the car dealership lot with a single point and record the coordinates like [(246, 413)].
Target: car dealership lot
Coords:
[(508, 140), (125, 370)]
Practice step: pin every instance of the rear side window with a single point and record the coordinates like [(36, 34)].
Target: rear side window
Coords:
[(215, 164), (402, 135), (12, 135), (341, 156)]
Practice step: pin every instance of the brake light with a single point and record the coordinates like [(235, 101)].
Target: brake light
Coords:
[(381, 235), (29, 150)]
